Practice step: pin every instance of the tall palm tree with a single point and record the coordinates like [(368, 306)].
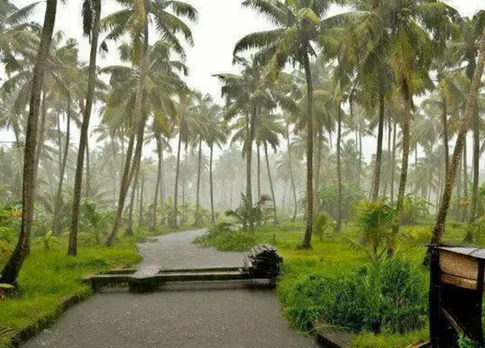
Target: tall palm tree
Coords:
[(298, 28), (16, 260), (216, 137), (134, 19), (460, 141), (91, 14), (269, 129), (246, 96), (185, 110)]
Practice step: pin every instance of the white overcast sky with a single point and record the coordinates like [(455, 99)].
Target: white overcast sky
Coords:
[(221, 24)]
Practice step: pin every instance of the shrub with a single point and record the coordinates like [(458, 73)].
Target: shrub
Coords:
[(247, 212), (414, 209), (375, 221), (224, 238), (328, 195), (389, 295), (322, 223)]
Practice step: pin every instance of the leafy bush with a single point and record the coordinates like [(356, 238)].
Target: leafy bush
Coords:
[(414, 209), (322, 223), (245, 212), (224, 238), (47, 240), (328, 195), (389, 295), (375, 221)]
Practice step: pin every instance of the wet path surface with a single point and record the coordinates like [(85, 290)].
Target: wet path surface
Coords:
[(180, 316)]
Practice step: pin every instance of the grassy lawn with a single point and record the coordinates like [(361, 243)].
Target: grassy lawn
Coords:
[(332, 258)]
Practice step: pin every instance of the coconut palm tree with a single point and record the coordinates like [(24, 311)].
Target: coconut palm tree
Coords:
[(15, 262), (217, 136), (246, 95), (465, 124), (91, 14), (134, 19), (298, 28)]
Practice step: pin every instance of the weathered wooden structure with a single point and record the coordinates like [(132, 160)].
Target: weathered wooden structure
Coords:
[(261, 263), (456, 294)]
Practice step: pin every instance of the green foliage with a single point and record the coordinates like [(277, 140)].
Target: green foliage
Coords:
[(328, 195), (322, 222), (224, 238), (48, 239), (94, 221), (246, 213), (414, 209), (375, 221), (389, 295)]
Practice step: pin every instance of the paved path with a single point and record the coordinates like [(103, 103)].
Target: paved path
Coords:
[(180, 316)]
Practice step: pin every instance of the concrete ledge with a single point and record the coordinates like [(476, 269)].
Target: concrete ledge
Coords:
[(329, 336)]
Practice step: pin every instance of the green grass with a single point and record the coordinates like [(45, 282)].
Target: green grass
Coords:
[(330, 257)]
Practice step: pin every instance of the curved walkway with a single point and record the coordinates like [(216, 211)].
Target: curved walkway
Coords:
[(179, 316)]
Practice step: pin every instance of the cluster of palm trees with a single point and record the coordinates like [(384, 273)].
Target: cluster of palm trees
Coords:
[(314, 88), (386, 53)]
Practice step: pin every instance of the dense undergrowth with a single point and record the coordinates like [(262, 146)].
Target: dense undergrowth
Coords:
[(338, 285)]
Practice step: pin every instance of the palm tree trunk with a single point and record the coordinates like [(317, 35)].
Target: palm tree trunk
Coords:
[(83, 140), (157, 185), (444, 119), (306, 244), (211, 183), (177, 177), (142, 193), (18, 177), (258, 154), (360, 157), (405, 162), (249, 149), (476, 163), (129, 230), (56, 226), (197, 221), (271, 184), (88, 170), (135, 170), (458, 192), (380, 137), (163, 218), (318, 167), (183, 217), (138, 118), (40, 142), (290, 168), (114, 160), (393, 160), (389, 146), (16, 260), (465, 180), (338, 226)]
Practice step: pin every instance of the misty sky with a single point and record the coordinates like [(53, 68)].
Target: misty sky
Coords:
[(221, 24)]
